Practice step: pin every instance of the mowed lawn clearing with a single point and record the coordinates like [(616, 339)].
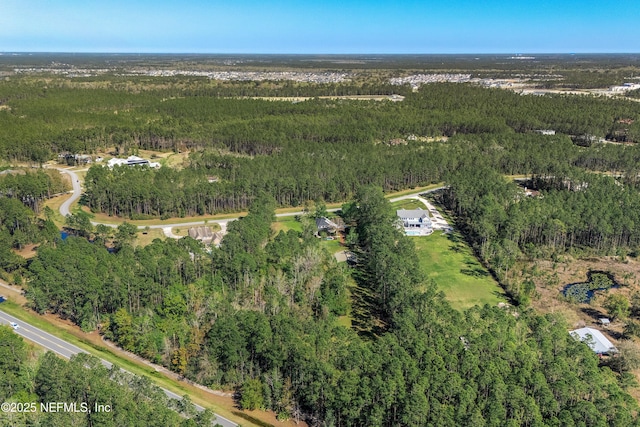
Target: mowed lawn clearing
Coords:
[(285, 224), (449, 261)]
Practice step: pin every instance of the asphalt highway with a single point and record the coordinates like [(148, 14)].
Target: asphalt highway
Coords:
[(66, 350)]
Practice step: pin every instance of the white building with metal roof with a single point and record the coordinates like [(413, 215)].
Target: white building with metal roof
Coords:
[(595, 340)]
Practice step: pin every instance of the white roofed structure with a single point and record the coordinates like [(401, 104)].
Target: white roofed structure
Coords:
[(595, 340), (132, 161)]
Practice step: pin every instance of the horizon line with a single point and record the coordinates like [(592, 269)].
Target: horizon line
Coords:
[(515, 53)]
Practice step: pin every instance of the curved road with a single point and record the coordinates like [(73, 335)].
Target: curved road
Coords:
[(77, 191), (67, 350)]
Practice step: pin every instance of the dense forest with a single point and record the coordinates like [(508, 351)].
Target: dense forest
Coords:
[(30, 379), (261, 313), (274, 316), (325, 149), (333, 172), (38, 119), (22, 194)]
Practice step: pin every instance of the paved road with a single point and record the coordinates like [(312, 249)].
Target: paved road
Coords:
[(67, 350), (77, 191)]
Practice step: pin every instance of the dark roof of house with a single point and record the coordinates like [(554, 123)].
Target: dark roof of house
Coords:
[(325, 223)]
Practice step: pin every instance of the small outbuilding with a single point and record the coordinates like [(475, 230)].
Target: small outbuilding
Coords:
[(595, 340)]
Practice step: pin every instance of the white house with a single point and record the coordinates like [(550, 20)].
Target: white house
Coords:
[(132, 161), (415, 221)]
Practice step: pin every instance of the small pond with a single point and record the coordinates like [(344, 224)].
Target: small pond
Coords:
[(583, 292)]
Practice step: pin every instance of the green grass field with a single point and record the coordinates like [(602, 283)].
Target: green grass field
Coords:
[(448, 260), (286, 223), (332, 246)]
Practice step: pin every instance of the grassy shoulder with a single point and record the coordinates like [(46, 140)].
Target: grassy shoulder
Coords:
[(71, 334), (106, 219), (449, 261)]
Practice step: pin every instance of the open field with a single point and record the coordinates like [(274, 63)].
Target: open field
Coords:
[(448, 260), (165, 158), (551, 278), (285, 224), (28, 251), (143, 239)]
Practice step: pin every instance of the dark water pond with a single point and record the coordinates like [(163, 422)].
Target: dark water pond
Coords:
[(583, 292)]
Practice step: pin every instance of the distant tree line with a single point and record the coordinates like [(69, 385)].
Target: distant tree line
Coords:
[(42, 119), (333, 172)]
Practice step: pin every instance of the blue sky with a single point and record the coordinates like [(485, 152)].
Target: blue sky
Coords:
[(329, 26)]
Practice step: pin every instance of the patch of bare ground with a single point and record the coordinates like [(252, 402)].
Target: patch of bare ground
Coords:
[(551, 277), (12, 293), (27, 251)]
